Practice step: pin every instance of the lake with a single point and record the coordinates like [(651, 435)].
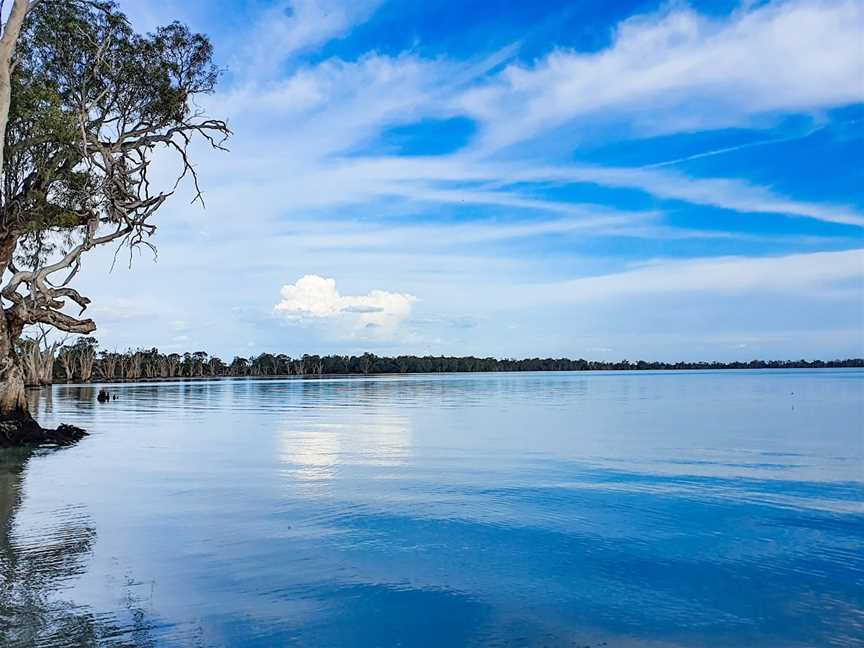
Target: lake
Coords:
[(668, 509)]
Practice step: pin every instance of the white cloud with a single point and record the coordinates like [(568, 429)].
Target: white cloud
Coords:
[(315, 297), (298, 25), (726, 193), (292, 134), (345, 234), (121, 309), (813, 274), (352, 181), (680, 71), (289, 131)]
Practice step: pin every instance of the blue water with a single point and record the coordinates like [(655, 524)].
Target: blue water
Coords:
[(590, 509)]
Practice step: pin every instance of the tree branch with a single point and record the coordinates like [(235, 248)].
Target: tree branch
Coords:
[(60, 321), (94, 102)]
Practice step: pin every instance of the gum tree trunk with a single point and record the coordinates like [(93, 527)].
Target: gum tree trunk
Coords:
[(13, 397), (17, 426)]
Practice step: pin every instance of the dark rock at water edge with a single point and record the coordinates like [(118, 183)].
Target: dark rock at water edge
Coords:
[(17, 433)]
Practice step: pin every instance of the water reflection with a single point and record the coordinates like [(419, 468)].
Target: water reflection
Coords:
[(41, 399), (315, 450), (38, 566), (650, 510)]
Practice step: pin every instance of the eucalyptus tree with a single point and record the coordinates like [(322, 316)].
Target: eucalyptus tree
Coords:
[(37, 357), (67, 360), (173, 362), (86, 105), (239, 366), (108, 363), (85, 355)]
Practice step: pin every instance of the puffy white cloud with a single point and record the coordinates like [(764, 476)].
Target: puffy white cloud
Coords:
[(316, 297)]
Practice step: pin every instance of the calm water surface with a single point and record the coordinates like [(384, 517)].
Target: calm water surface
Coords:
[(662, 510)]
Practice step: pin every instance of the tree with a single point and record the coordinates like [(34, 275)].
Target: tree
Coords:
[(108, 362), (85, 105), (85, 354), (199, 358), (173, 361), (66, 357), (37, 358)]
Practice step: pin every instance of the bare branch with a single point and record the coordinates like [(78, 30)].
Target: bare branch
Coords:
[(60, 321), (77, 169)]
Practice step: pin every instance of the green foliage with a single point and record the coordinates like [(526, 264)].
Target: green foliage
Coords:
[(151, 364), (90, 101), (85, 342)]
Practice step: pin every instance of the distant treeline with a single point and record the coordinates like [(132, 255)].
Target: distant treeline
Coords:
[(83, 362)]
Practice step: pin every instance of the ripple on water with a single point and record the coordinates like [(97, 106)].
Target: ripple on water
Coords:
[(670, 509)]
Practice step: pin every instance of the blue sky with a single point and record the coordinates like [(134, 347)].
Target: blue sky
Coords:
[(586, 179)]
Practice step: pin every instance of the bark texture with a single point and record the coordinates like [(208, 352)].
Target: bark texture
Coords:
[(8, 40), (13, 397), (17, 426), (14, 412)]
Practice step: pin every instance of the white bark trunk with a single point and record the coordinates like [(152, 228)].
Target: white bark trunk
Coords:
[(11, 31), (13, 398)]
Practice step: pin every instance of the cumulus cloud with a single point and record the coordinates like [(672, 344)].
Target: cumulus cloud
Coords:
[(313, 297)]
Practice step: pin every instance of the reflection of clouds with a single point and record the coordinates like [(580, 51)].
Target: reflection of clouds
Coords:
[(382, 443), (316, 451)]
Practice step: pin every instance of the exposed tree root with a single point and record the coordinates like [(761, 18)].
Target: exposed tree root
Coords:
[(23, 432)]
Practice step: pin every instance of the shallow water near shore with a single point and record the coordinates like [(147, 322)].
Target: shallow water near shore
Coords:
[(663, 509)]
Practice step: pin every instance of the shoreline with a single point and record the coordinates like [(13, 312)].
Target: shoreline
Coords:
[(354, 376)]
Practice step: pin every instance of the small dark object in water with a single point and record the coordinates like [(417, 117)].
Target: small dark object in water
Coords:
[(113, 396), (103, 396)]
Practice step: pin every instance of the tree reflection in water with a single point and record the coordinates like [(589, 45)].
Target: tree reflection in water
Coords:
[(32, 575)]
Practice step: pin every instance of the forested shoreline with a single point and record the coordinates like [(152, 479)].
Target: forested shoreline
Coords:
[(83, 361)]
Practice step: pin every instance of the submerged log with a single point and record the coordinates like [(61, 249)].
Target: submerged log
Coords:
[(23, 432)]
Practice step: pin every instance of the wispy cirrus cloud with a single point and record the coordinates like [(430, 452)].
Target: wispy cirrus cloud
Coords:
[(345, 181), (796, 274), (726, 193), (694, 72), (677, 70), (292, 27)]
